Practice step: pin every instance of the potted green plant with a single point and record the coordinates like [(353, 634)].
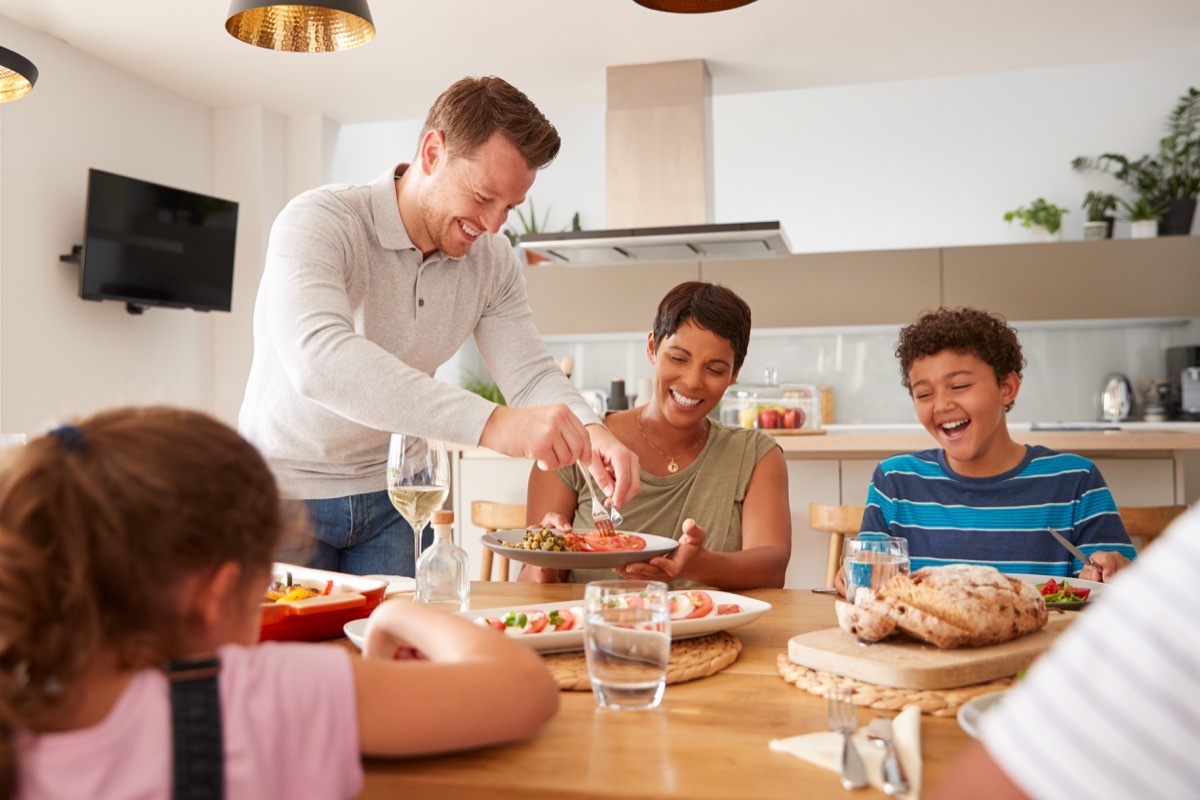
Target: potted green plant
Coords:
[(1143, 216), (529, 224), (1169, 179), (1099, 223), (1045, 219)]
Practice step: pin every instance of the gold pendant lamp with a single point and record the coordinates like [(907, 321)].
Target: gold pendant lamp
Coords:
[(17, 75), (692, 6), (311, 28)]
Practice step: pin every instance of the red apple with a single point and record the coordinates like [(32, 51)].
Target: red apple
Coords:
[(768, 418), (793, 418)]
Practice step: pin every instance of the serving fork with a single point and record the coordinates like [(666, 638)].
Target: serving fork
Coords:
[(603, 518), (843, 719)]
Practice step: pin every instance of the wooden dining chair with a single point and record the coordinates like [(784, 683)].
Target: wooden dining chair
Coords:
[(494, 517), (1148, 522), (839, 522)]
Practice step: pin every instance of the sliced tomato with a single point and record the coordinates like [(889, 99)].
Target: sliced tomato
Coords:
[(495, 623), (633, 601), (561, 619), (691, 605), (576, 542), (537, 620), (1050, 587), (1082, 594), (728, 608), (604, 543)]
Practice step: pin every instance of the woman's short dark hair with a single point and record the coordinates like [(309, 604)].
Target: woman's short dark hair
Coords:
[(709, 306), (965, 330), (473, 109)]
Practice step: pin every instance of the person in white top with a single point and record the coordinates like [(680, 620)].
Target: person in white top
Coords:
[(1111, 710), (368, 289)]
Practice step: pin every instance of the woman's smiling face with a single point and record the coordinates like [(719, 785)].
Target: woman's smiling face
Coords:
[(692, 369), (960, 401)]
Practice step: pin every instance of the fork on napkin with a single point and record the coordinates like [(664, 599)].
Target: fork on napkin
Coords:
[(824, 749)]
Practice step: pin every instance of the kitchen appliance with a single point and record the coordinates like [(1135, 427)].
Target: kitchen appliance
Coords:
[(1116, 398), (1183, 377), (658, 178)]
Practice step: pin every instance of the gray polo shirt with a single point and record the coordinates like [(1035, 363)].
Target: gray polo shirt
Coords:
[(350, 324)]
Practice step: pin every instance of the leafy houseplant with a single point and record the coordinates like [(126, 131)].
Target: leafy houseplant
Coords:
[(1169, 179), (1143, 216), (1099, 223), (1039, 213), (530, 224)]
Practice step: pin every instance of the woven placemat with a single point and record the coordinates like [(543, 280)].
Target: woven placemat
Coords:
[(936, 702), (690, 659)]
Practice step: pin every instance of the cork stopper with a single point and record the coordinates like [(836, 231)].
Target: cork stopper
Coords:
[(443, 517)]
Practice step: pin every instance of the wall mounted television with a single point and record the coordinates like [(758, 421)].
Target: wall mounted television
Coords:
[(153, 245)]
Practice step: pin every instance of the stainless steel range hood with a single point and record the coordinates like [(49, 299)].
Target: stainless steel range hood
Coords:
[(659, 198), (674, 243)]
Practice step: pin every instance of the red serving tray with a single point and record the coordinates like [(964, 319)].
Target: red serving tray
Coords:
[(353, 597)]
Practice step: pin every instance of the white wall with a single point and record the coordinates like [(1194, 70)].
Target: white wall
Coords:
[(60, 355)]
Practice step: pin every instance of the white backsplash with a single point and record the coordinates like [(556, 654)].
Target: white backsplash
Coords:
[(1066, 364)]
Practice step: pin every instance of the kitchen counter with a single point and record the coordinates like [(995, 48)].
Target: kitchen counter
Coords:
[(882, 440)]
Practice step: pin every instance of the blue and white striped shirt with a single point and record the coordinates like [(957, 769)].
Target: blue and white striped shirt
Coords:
[(998, 521)]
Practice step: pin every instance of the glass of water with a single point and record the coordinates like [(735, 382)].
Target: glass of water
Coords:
[(627, 641), (871, 560)]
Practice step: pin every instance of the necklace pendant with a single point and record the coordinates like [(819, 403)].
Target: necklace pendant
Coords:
[(672, 467)]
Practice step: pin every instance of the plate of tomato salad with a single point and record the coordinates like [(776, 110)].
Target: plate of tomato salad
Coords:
[(1068, 593), (594, 550), (558, 627)]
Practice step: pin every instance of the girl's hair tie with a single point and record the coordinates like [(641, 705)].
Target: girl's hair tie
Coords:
[(71, 436)]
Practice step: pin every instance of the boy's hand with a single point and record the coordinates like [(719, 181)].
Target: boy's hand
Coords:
[(1108, 561), (839, 581)]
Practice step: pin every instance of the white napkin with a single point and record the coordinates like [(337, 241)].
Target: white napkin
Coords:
[(825, 750)]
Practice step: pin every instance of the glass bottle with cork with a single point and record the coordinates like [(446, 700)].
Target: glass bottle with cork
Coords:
[(443, 578)]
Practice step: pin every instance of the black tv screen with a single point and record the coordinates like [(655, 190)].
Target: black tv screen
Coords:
[(148, 244)]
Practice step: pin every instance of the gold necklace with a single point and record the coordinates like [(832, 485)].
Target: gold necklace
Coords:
[(672, 466)]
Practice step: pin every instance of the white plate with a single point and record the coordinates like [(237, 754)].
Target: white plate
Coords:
[(971, 713), (1096, 587), (655, 546), (397, 583), (564, 641)]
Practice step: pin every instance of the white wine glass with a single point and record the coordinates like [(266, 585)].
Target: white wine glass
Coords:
[(418, 480)]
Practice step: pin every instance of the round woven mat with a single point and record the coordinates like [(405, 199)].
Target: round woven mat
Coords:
[(690, 659), (936, 702)]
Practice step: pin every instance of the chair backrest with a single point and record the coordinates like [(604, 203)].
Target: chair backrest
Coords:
[(496, 517), (838, 522), (1148, 522)]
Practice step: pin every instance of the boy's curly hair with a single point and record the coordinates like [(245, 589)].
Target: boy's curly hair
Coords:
[(966, 330)]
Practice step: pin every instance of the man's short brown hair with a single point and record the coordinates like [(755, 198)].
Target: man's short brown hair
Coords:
[(473, 109), (965, 330)]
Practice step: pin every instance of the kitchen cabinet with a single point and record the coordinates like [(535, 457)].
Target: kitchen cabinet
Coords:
[(617, 299), (1116, 278), (1111, 279), (821, 289)]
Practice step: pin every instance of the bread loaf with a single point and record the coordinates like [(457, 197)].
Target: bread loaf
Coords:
[(952, 606)]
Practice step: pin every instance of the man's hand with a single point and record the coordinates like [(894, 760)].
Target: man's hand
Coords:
[(551, 435), (614, 466)]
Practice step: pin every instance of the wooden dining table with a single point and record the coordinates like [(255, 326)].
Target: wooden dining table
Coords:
[(708, 739)]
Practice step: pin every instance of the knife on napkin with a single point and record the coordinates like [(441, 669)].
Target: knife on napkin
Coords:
[(1075, 551)]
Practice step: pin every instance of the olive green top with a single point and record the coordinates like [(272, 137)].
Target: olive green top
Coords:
[(710, 490)]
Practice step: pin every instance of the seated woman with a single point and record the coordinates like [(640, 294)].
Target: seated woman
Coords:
[(721, 491)]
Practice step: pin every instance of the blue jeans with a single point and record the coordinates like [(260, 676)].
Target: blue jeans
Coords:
[(362, 534)]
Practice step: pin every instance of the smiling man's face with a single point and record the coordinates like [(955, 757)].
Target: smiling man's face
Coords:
[(462, 197)]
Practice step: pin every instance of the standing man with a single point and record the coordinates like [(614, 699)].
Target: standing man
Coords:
[(368, 289)]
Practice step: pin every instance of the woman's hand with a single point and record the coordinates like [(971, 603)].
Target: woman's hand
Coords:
[(673, 567), (554, 521), (1108, 561)]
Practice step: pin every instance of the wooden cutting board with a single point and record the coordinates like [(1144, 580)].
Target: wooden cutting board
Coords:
[(908, 664)]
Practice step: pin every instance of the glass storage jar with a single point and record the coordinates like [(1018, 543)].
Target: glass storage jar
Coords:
[(772, 406)]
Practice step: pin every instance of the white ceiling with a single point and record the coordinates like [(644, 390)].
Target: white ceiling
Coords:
[(557, 50)]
